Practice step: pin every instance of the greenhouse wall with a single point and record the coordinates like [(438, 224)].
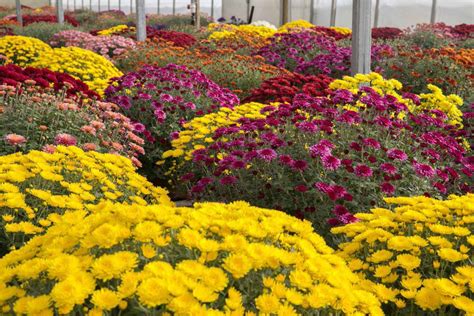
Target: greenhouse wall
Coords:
[(397, 13), (30, 3)]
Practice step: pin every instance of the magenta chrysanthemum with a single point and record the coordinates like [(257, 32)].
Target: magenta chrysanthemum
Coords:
[(397, 154), (423, 170), (267, 154), (330, 162)]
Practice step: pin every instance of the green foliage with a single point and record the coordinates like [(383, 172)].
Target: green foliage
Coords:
[(175, 20), (426, 39), (414, 68), (42, 30)]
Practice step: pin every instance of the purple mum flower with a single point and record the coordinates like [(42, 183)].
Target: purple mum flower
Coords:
[(267, 154)]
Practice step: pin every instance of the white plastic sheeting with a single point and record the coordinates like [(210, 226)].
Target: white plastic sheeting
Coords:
[(268, 10), (30, 3), (397, 13)]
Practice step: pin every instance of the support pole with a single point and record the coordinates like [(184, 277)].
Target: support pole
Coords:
[(361, 36), (332, 22), (82, 4), (198, 14), (252, 10), (376, 15), (311, 12), (120, 5), (98, 6), (90, 5), (158, 7), (248, 10), (74, 4), (19, 16), (174, 7), (141, 21), (284, 11), (434, 6), (131, 6), (60, 11), (212, 9), (67, 5), (108, 5)]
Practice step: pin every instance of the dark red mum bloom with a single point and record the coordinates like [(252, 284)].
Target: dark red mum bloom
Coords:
[(227, 180), (387, 188), (301, 188), (363, 171), (388, 168), (299, 165)]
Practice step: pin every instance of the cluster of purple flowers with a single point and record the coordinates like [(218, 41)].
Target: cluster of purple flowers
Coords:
[(312, 154), (162, 99), (309, 52)]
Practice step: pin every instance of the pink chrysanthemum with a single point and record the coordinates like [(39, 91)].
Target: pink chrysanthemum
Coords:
[(65, 139), (330, 162), (388, 168), (423, 170), (396, 154), (322, 148), (15, 139)]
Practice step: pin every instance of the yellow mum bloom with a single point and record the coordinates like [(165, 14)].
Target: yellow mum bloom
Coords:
[(464, 303), (380, 256), (267, 304), (112, 266), (151, 292), (238, 265), (408, 262), (382, 271), (105, 299), (451, 255)]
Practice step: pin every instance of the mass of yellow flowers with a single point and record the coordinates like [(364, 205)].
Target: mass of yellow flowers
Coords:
[(232, 31), (116, 29), (434, 100), (104, 240), (22, 50), (422, 251), (35, 185), (301, 25), (212, 259), (341, 30), (295, 26), (93, 69)]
